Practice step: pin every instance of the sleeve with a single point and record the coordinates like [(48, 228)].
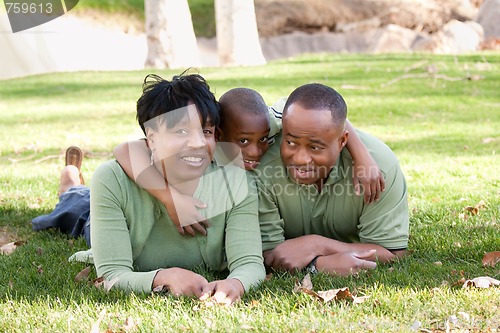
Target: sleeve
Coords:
[(272, 226), (386, 222), (243, 243), (275, 114), (111, 245)]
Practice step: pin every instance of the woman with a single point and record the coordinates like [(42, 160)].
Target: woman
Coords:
[(134, 240)]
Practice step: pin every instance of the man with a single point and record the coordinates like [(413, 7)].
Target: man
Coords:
[(308, 211)]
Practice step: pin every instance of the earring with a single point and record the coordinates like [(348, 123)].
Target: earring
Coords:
[(152, 158)]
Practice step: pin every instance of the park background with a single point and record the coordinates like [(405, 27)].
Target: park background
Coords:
[(438, 112)]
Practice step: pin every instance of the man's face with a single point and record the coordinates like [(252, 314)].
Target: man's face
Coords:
[(184, 149), (311, 143), (250, 132)]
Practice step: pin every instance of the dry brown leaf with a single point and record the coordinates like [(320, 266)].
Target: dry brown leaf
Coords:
[(481, 282), (472, 210), (268, 277), (481, 205), (100, 282), (160, 288), (83, 274), (304, 284), (130, 324), (360, 299), (326, 296), (335, 294), (95, 326), (491, 258), (254, 303), (9, 248)]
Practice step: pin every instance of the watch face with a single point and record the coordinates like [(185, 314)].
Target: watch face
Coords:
[(311, 268)]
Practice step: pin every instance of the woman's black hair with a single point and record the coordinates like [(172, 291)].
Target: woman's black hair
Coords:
[(160, 96)]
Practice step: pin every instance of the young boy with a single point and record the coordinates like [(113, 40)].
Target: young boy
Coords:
[(246, 121)]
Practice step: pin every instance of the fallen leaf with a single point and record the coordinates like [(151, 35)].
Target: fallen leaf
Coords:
[(304, 284), (130, 324), (335, 294), (39, 251), (100, 282), (268, 277), (254, 303), (95, 326), (39, 268), (247, 327), (472, 210), (83, 274), (491, 258), (160, 288), (481, 282), (487, 140), (9, 248), (360, 299), (438, 263)]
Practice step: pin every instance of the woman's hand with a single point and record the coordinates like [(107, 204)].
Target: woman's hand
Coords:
[(179, 281), (224, 292)]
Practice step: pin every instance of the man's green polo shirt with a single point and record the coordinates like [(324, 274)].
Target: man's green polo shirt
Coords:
[(288, 210)]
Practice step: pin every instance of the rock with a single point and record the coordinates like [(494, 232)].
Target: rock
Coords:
[(455, 37), (393, 38), (489, 18)]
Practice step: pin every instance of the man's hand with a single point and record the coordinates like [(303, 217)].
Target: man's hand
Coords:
[(292, 254), (367, 178), (224, 292), (180, 281), (182, 209), (346, 263)]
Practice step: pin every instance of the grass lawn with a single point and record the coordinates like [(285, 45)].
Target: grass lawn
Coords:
[(445, 130)]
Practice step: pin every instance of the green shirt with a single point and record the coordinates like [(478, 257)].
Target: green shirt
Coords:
[(288, 210), (133, 236)]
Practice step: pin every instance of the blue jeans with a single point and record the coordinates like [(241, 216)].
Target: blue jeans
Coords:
[(71, 214)]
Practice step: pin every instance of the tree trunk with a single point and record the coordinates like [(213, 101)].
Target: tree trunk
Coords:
[(237, 35), (170, 35)]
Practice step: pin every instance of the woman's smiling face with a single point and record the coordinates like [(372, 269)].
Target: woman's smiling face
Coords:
[(184, 149)]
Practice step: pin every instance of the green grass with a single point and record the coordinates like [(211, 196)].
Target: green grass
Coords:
[(446, 134)]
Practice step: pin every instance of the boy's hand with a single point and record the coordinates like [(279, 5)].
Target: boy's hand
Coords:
[(224, 292), (183, 211), (367, 178)]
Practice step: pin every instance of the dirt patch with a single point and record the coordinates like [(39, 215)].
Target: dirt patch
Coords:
[(7, 236), (276, 17)]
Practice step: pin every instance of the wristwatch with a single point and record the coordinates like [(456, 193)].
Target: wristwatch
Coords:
[(311, 267)]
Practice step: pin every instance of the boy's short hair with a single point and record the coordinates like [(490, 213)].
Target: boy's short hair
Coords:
[(242, 100)]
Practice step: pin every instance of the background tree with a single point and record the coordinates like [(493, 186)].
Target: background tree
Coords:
[(170, 36), (237, 35)]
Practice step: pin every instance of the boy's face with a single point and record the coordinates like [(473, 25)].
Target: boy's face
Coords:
[(185, 148), (250, 132)]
